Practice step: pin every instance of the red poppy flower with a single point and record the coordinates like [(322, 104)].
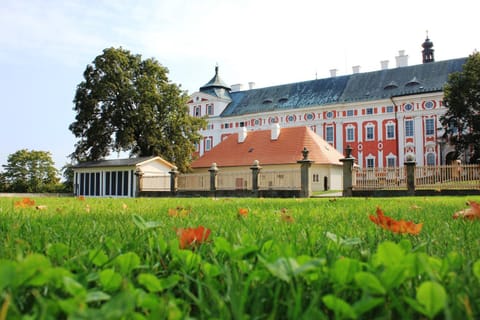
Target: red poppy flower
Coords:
[(191, 237)]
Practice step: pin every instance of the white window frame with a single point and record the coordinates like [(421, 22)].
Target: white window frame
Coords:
[(350, 133), (393, 159), (372, 128), (329, 134), (407, 129), (430, 156), (210, 110), (369, 159), (208, 144), (387, 127), (430, 131)]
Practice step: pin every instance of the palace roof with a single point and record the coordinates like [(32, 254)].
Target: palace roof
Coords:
[(357, 87)]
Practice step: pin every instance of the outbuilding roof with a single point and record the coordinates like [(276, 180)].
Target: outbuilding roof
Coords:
[(258, 145), (120, 162)]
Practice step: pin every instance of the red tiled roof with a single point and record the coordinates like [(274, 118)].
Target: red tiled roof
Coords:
[(287, 149)]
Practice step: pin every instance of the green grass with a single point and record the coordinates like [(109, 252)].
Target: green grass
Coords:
[(120, 258)]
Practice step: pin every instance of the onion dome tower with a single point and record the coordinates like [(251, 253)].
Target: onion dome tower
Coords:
[(427, 52)]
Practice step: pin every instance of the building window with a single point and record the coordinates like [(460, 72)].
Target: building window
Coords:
[(390, 131), (198, 111), (316, 177), (429, 127), (349, 113), (430, 159), (369, 111), (309, 116), (350, 134), (370, 135), (242, 124), (329, 134), (210, 109), (408, 107), (429, 104), (371, 162), (409, 132), (391, 162), (208, 144), (329, 114), (389, 109)]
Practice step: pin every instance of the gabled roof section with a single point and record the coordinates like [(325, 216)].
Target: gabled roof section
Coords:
[(287, 149), (417, 79), (121, 162), (288, 96), (216, 87)]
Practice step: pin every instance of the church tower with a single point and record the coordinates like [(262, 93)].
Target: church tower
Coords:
[(427, 52)]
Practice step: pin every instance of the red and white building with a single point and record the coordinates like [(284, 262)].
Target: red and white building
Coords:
[(385, 115)]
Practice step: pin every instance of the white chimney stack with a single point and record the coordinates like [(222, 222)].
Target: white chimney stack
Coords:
[(402, 59), (275, 133), (251, 85), (356, 69), (242, 134), (333, 73), (384, 64), (237, 87)]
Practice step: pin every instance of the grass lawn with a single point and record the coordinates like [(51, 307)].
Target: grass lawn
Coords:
[(318, 258)]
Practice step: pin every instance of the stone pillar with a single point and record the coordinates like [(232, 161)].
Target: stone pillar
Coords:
[(173, 180), (348, 172), (139, 184), (410, 165), (306, 188), (255, 171), (213, 178)]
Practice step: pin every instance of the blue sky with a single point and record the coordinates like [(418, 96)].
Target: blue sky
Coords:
[(45, 46)]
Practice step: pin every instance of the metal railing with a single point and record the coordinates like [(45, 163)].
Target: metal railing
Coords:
[(379, 178), (466, 176), (234, 180), (194, 181), (288, 179), (155, 183)]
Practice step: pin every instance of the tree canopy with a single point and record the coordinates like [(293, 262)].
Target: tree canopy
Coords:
[(128, 104), (30, 171), (462, 99)]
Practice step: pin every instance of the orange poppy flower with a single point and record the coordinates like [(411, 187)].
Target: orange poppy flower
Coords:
[(396, 226), (242, 212), (191, 237), (81, 198), (24, 203), (470, 213)]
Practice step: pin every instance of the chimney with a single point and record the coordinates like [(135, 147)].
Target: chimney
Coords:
[(402, 59), (356, 69), (384, 64), (237, 87), (251, 85), (275, 132), (242, 134), (333, 73)]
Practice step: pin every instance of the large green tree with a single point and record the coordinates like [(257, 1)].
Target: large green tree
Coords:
[(30, 171), (128, 104), (462, 99)]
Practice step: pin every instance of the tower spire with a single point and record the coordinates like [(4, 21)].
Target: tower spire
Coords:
[(427, 52)]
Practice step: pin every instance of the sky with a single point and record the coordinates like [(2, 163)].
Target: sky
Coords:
[(45, 46)]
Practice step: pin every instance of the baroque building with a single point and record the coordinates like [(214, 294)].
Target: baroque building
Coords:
[(386, 116)]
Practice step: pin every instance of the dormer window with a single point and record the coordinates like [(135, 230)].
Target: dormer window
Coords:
[(412, 82), (391, 85), (267, 101), (283, 99)]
